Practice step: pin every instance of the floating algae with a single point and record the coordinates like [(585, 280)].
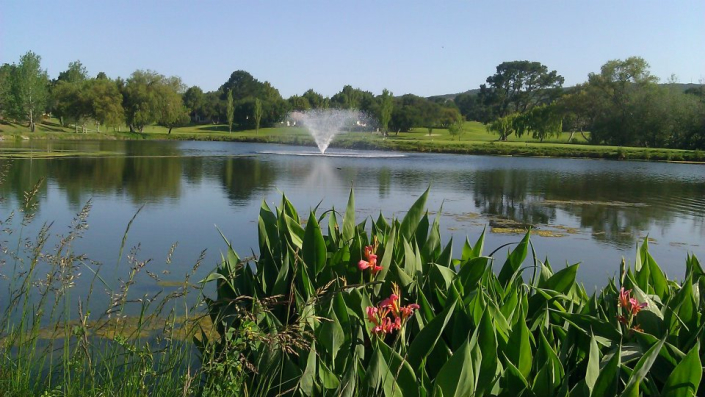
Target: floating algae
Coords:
[(600, 203)]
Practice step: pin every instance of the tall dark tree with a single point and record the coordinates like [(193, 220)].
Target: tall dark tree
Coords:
[(194, 101), (518, 86), (616, 92), (75, 73), (386, 106), (316, 100)]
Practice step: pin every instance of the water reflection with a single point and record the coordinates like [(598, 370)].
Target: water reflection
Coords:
[(614, 203)]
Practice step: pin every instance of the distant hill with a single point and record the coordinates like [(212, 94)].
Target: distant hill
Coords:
[(681, 86), (452, 96)]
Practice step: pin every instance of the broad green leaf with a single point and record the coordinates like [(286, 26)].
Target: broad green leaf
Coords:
[(349, 380), (432, 247), (608, 379), (296, 232), (314, 247), (445, 259), (307, 382), (642, 368), (441, 276), (421, 233), (330, 333), (519, 347), (413, 217), (551, 374), (514, 261), (472, 271), (467, 252), (328, 379), (404, 374), (379, 377), (479, 244), (349, 218), (593, 365), (424, 342), (333, 227), (386, 257), (513, 381), (457, 377), (412, 261), (564, 280), (686, 377), (487, 342)]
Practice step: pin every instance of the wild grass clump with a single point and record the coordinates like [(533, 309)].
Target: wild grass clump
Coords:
[(55, 342), (384, 308)]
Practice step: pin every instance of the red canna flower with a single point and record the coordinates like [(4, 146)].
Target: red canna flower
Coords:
[(635, 306), (624, 297), (389, 316), (370, 261), (408, 310), (372, 314)]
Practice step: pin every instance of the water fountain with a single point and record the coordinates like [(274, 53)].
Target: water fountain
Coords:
[(324, 124)]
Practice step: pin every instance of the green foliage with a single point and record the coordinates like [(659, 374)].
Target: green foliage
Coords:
[(27, 90), (257, 113), (473, 333)]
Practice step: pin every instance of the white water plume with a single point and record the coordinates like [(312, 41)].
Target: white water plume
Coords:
[(324, 124)]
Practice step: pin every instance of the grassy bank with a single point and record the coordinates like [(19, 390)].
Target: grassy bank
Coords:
[(474, 140)]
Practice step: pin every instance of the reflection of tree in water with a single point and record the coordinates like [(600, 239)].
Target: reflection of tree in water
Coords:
[(243, 176), (384, 177), (616, 207), (512, 194), (151, 178), (21, 176), (149, 172), (82, 178)]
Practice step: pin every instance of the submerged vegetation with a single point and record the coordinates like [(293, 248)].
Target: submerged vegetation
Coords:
[(381, 307)]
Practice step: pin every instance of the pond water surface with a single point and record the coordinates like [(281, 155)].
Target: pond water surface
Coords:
[(587, 211)]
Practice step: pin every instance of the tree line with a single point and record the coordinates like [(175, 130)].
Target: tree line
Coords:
[(622, 104)]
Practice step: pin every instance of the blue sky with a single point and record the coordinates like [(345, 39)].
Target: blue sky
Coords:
[(425, 48)]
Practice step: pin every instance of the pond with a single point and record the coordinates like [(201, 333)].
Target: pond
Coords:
[(588, 211)]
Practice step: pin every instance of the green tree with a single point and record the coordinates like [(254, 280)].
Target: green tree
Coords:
[(141, 99), (316, 100), (150, 97), (457, 128), (171, 111), (230, 110), (257, 114), (618, 93), (28, 90), (386, 106), (542, 122), (298, 103), (518, 86), (578, 111), (71, 103), (194, 102), (105, 103), (6, 71), (407, 113), (503, 126), (76, 73)]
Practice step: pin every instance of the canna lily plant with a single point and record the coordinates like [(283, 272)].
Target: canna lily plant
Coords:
[(384, 308)]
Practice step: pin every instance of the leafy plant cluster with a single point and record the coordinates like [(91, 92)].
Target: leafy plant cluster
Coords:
[(308, 315)]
